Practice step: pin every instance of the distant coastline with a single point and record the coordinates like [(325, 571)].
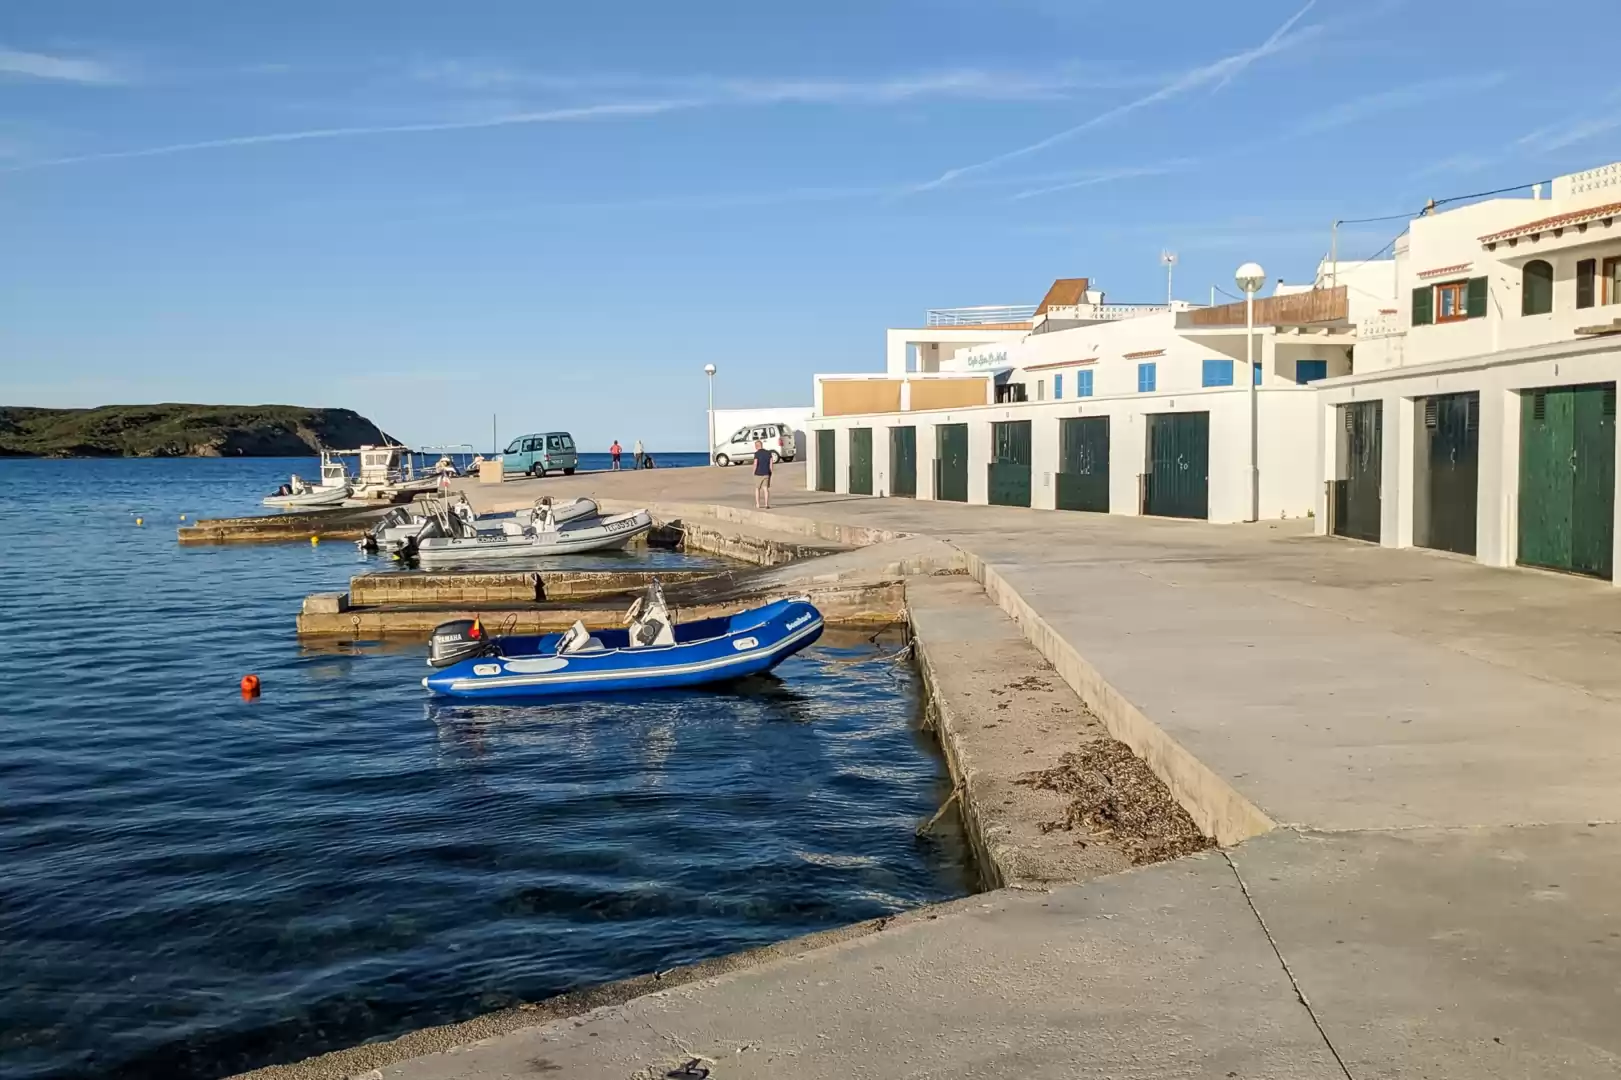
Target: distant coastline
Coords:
[(181, 430)]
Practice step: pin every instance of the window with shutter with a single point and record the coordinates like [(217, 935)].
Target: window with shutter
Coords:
[(1586, 273), (1423, 307), (1477, 298), (1451, 302), (1536, 288)]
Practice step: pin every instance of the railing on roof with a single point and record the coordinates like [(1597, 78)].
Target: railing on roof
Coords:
[(1108, 312), (979, 316)]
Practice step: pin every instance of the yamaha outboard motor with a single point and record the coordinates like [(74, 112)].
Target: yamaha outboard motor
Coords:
[(453, 642)]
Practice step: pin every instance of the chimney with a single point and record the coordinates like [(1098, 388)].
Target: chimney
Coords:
[(1536, 192)]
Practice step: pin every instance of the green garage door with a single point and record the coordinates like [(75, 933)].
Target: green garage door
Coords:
[(951, 462), (1357, 501), (1445, 493), (1083, 464), (903, 462), (824, 460), (1567, 479), (1009, 483), (1178, 465), (861, 461)]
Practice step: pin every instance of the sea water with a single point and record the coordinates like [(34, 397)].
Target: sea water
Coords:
[(193, 884)]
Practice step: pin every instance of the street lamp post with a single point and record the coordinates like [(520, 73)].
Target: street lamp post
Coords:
[(1250, 278), (709, 439)]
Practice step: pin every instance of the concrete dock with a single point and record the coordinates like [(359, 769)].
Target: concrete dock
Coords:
[(1413, 763)]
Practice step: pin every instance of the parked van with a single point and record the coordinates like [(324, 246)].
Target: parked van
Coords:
[(539, 454), (739, 449)]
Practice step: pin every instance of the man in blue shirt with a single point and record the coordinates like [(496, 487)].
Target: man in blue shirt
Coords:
[(762, 476)]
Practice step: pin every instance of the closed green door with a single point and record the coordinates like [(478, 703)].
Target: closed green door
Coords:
[(1009, 481), (1567, 479), (824, 460), (861, 461), (951, 462), (1083, 464), (1358, 503), (1446, 491), (903, 462), (1178, 465)]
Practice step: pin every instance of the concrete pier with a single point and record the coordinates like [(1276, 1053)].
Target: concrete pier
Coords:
[(341, 523), (1411, 760)]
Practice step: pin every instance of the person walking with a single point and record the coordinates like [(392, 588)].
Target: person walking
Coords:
[(640, 453), (762, 476), (616, 450)]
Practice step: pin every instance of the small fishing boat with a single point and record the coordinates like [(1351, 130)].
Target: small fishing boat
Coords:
[(454, 540), (300, 494), (651, 653), (397, 532)]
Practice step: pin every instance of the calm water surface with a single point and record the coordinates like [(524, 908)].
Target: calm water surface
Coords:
[(192, 884)]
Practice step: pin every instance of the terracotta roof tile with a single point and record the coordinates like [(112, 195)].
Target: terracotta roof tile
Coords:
[(1571, 217), (1065, 292)]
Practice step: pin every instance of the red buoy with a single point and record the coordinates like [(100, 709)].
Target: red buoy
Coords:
[(250, 686)]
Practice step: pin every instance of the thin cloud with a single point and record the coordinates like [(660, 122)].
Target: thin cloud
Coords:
[(32, 65), (548, 116), (1106, 176), (1395, 99), (957, 83), (1557, 137), (1221, 72)]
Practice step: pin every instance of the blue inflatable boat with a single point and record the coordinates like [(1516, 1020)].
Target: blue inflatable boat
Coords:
[(651, 653)]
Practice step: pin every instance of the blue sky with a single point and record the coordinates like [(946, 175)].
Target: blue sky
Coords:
[(560, 212)]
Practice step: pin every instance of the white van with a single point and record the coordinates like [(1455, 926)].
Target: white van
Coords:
[(739, 449)]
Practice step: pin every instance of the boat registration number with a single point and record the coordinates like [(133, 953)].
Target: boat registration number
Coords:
[(621, 526)]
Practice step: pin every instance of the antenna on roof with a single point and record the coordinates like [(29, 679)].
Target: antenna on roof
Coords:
[(1169, 259)]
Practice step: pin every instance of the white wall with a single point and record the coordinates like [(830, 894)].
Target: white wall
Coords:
[(1499, 378), (946, 342), (1288, 454)]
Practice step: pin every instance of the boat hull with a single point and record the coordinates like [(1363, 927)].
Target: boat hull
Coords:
[(401, 537), (608, 534), (317, 499), (725, 649)]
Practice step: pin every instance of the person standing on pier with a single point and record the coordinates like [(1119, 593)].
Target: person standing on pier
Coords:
[(762, 476), (616, 450), (640, 453)]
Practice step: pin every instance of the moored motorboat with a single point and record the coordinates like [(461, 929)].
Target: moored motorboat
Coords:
[(300, 494), (451, 539), (398, 531), (650, 653)]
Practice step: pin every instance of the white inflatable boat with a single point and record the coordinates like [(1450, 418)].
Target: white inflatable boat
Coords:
[(456, 541)]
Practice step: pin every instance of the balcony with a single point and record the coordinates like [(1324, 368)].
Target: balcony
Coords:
[(981, 316)]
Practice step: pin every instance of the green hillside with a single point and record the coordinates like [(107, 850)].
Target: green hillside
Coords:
[(181, 431)]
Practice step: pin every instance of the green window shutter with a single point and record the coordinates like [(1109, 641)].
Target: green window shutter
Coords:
[(1477, 298), (1423, 306)]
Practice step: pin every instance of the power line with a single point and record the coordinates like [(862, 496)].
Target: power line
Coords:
[(1439, 202), (1483, 194)]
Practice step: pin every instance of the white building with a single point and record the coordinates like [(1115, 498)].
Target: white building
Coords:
[(1043, 416), (1459, 396), (1481, 415)]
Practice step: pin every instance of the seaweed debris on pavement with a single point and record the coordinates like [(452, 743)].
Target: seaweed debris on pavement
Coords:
[(1113, 793)]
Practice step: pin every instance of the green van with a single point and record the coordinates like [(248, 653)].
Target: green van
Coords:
[(541, 453)]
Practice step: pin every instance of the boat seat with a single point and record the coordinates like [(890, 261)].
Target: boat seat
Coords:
[(577, 639)]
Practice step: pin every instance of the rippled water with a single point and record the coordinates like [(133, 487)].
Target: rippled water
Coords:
[(192, 884)]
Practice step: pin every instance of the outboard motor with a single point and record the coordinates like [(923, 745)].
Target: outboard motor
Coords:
[(463, 639)]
